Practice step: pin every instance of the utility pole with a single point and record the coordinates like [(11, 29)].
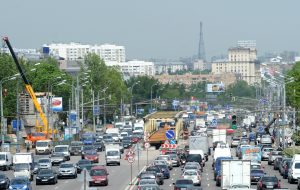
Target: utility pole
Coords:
[(98, 113), (93, 100), (77, 103), (18, 117), (82, 109)]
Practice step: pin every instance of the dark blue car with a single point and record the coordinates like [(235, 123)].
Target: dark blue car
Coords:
[(252, 137), (165, 170), (256, 174), (20, 183)]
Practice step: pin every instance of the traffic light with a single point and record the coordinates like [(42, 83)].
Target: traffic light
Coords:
[(233, 122)]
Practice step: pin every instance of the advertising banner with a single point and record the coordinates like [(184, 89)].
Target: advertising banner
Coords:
[(218, 87), (252, 153), (56, 104)]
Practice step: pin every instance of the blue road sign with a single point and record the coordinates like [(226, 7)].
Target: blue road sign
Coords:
[(227, 107), (261, 129), (214, 122), (209, 107), (170, 134), (172, 141)]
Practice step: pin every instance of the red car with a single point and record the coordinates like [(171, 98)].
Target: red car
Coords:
[(99, 176), (92, 156), (135, 139)]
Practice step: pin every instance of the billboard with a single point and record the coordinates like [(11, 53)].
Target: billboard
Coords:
[(217, 87), (56, 104), (252, 153)]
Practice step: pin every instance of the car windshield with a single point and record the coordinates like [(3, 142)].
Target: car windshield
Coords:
[(191, 167), (138, 128), (149, 188), (57, 155), (147, 176), (106, 137), (127, 139), (66, 166), (18, 181), (60, 149), (163, 158), (91, 153), (257, 171), (41, 144), (147, 181), (112, 153), (297, 165), (269, 179), (97, 172), (180, 182), (19, 167), (83, 162), (88, 148), (190, 173), (2, 176), (163, 166), (43, 172), (76, 143), (268, 150), (44, 161), (277, 153), (2, 156)]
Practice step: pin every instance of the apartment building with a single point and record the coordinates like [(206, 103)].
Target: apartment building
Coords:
[(76, 51)]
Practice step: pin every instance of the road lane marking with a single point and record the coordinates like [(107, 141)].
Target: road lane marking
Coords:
[(134, 180)]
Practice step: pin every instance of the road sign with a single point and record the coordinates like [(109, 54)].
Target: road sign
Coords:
[(130, 152), (130, 159), (260, 129), (170, 134), (169, 146), (172, 141), (147, 145), (214, 122)]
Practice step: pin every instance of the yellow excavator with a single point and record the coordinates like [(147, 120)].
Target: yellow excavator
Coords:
[(41, 132)]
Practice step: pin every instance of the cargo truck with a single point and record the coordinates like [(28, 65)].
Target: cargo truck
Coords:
[(219, 135), (235, 173), (199, 143), (23, 165)]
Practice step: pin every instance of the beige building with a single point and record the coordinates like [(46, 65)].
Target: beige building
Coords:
[(242, 61), (201, 65), (189, 79)]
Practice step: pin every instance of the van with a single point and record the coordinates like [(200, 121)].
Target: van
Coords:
[(294, 171), (5, 160), (65, 149), (43, 147)]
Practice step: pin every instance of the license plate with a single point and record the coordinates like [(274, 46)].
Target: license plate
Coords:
[(44, 180), (182, 188), (269, 186), (97, 181)]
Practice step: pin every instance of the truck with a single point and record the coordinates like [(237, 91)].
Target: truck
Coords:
[(235, 173), (199, 142), (23, 165), (115, 132), (5, 160), (88, 138), (219, 135), (112, 154)]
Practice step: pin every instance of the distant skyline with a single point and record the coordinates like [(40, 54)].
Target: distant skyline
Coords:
[(160, 29)]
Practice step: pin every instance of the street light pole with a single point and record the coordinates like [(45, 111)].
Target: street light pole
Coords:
[(151, 96), (132, 96)]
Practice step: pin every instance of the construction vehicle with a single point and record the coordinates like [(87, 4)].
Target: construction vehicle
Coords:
[(41, 131)]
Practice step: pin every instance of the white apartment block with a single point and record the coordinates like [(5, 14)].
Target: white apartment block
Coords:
[(134, 68), (172, 67), (77, 51), (240, 61)]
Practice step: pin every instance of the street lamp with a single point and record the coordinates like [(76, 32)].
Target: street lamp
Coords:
[(151, 95), (132, 95), (3, 131)]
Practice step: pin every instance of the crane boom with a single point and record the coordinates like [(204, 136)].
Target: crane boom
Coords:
[(28, 86)]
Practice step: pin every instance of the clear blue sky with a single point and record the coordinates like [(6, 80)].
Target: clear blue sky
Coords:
[(156, 28)]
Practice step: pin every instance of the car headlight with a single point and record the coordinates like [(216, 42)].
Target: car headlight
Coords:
[(2, 181), (51, 177), (10, 187), (24, 187), (37, 177)]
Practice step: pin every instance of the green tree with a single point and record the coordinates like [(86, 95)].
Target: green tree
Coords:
[(293, 88)]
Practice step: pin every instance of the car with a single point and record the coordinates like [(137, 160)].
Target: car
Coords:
[(266, 152), (135, 138), (57, 158), (91, 155), (46, 176), (158, 172), (126, 141), (99, 175), (266, 139), (166, 158), (256, 174), (273, 155), (20, 183), (255, 165), (277, 162), (150, 187), (99, 145), (82, 164), (175, 160), (283, 165), (67, 170), (76, 148), (4, 181), (216, 143), (192, 166), (35, 167), (165, 170), (183, 184), (145, 182), (235, 142), (44, 163), (123, 134), (193, 175), (268, 182), (150, 175), (86, 149)]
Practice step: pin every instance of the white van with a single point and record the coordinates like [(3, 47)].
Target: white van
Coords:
[(43, 147), (65, 149), (294, 171), (138, 127), (5, 160), (112, 154)]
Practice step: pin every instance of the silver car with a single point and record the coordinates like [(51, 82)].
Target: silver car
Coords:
[(57, 158), (67, 170), (266, 152), (44, 163)]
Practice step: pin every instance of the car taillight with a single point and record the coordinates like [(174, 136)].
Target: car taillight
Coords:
[(279, 184), (286, 167)]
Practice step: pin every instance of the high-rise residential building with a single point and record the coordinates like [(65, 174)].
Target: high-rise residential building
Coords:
[(247, 44), (241, 61), (77, 51)]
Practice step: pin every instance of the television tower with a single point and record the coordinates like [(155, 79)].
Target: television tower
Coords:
[(201, 49)]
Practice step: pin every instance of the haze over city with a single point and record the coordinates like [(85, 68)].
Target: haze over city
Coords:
[(153, 29)]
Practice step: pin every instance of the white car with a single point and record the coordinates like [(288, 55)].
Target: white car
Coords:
[(266, 139), (166, 158), (44, 163), (67, 170), (193, 175), (266, 152), (123, 134)]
